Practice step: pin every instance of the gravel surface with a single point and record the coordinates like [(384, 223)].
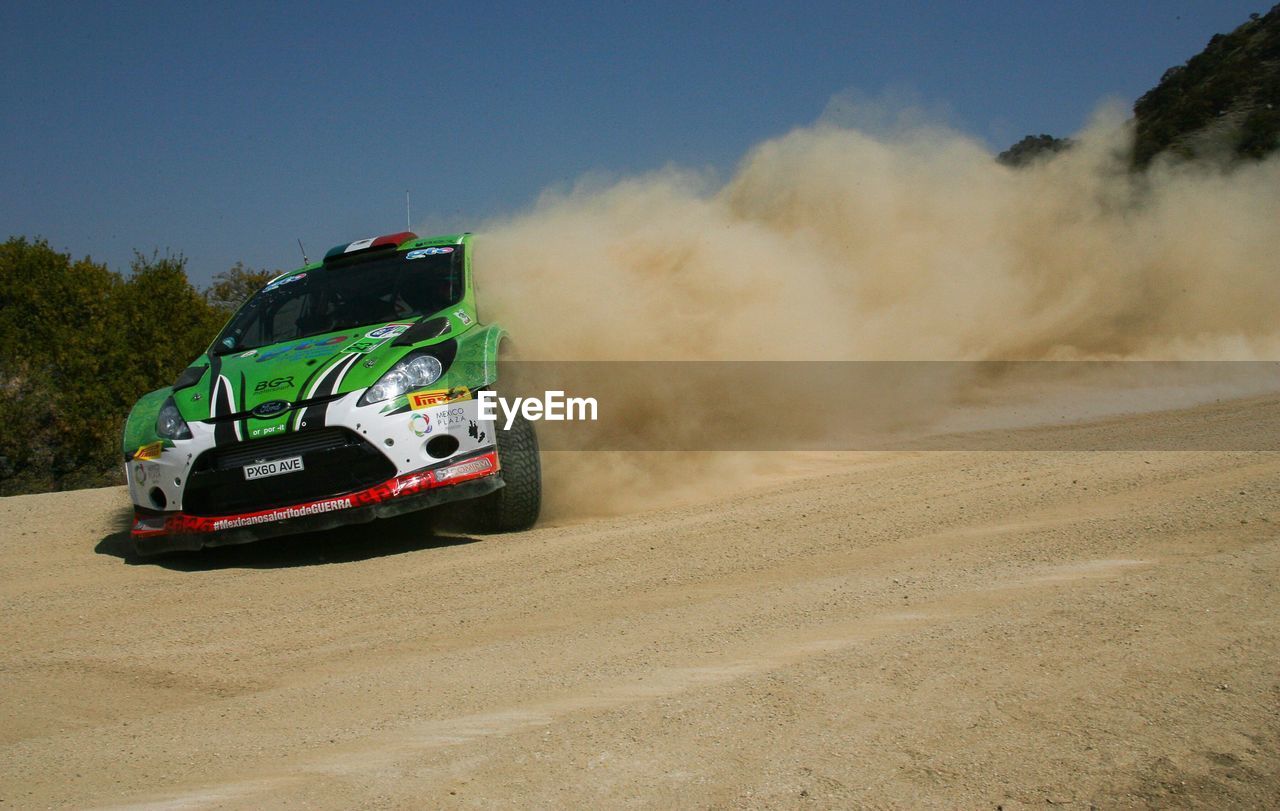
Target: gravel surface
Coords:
[(900, 629)]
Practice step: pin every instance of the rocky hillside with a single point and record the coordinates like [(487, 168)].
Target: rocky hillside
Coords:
[(1223, 104)]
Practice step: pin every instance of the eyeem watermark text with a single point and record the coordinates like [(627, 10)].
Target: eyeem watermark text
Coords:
[(554, 406)]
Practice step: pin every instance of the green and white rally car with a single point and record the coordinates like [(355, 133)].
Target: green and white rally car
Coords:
[(341, 392)]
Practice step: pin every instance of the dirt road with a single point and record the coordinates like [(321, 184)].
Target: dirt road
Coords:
[(907, 629)]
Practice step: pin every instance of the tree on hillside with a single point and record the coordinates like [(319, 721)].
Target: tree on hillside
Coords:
[(58, 330), (78, 345), (1033, 148), (168, 322), (231, 288)]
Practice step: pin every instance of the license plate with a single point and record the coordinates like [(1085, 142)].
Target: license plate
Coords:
[(261, 470)]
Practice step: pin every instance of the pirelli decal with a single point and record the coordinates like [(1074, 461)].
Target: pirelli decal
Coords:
[(419, 400)]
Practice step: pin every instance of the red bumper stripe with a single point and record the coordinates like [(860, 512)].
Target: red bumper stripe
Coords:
[(406, 485)]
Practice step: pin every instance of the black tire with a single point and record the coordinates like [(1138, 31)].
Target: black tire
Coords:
[(516, 506)]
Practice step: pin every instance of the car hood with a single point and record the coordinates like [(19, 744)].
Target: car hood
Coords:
[(318, 367)]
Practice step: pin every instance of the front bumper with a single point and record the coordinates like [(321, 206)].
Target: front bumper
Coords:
[(478, 475), (361, 463)]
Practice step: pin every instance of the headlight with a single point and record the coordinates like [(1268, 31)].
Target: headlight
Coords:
[(170, 424), (412, 372)]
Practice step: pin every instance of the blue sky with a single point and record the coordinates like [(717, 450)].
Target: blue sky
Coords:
[(226, 131)]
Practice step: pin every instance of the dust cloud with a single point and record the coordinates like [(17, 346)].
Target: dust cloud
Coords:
[(834, 243)]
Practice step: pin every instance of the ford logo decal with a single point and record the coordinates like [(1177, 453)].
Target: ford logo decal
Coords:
[(270, 408)]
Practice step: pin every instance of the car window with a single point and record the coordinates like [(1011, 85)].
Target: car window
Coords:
[(346, 294)]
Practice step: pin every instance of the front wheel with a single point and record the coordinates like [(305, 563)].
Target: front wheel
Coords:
[(515, 506)]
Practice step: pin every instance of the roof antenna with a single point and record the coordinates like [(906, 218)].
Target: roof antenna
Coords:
[(305, 261), (407, 226)]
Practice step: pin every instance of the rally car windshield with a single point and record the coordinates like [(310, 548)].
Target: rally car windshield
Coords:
[(345, 295)]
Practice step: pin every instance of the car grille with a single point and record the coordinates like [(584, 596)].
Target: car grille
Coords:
[(335, 461)]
